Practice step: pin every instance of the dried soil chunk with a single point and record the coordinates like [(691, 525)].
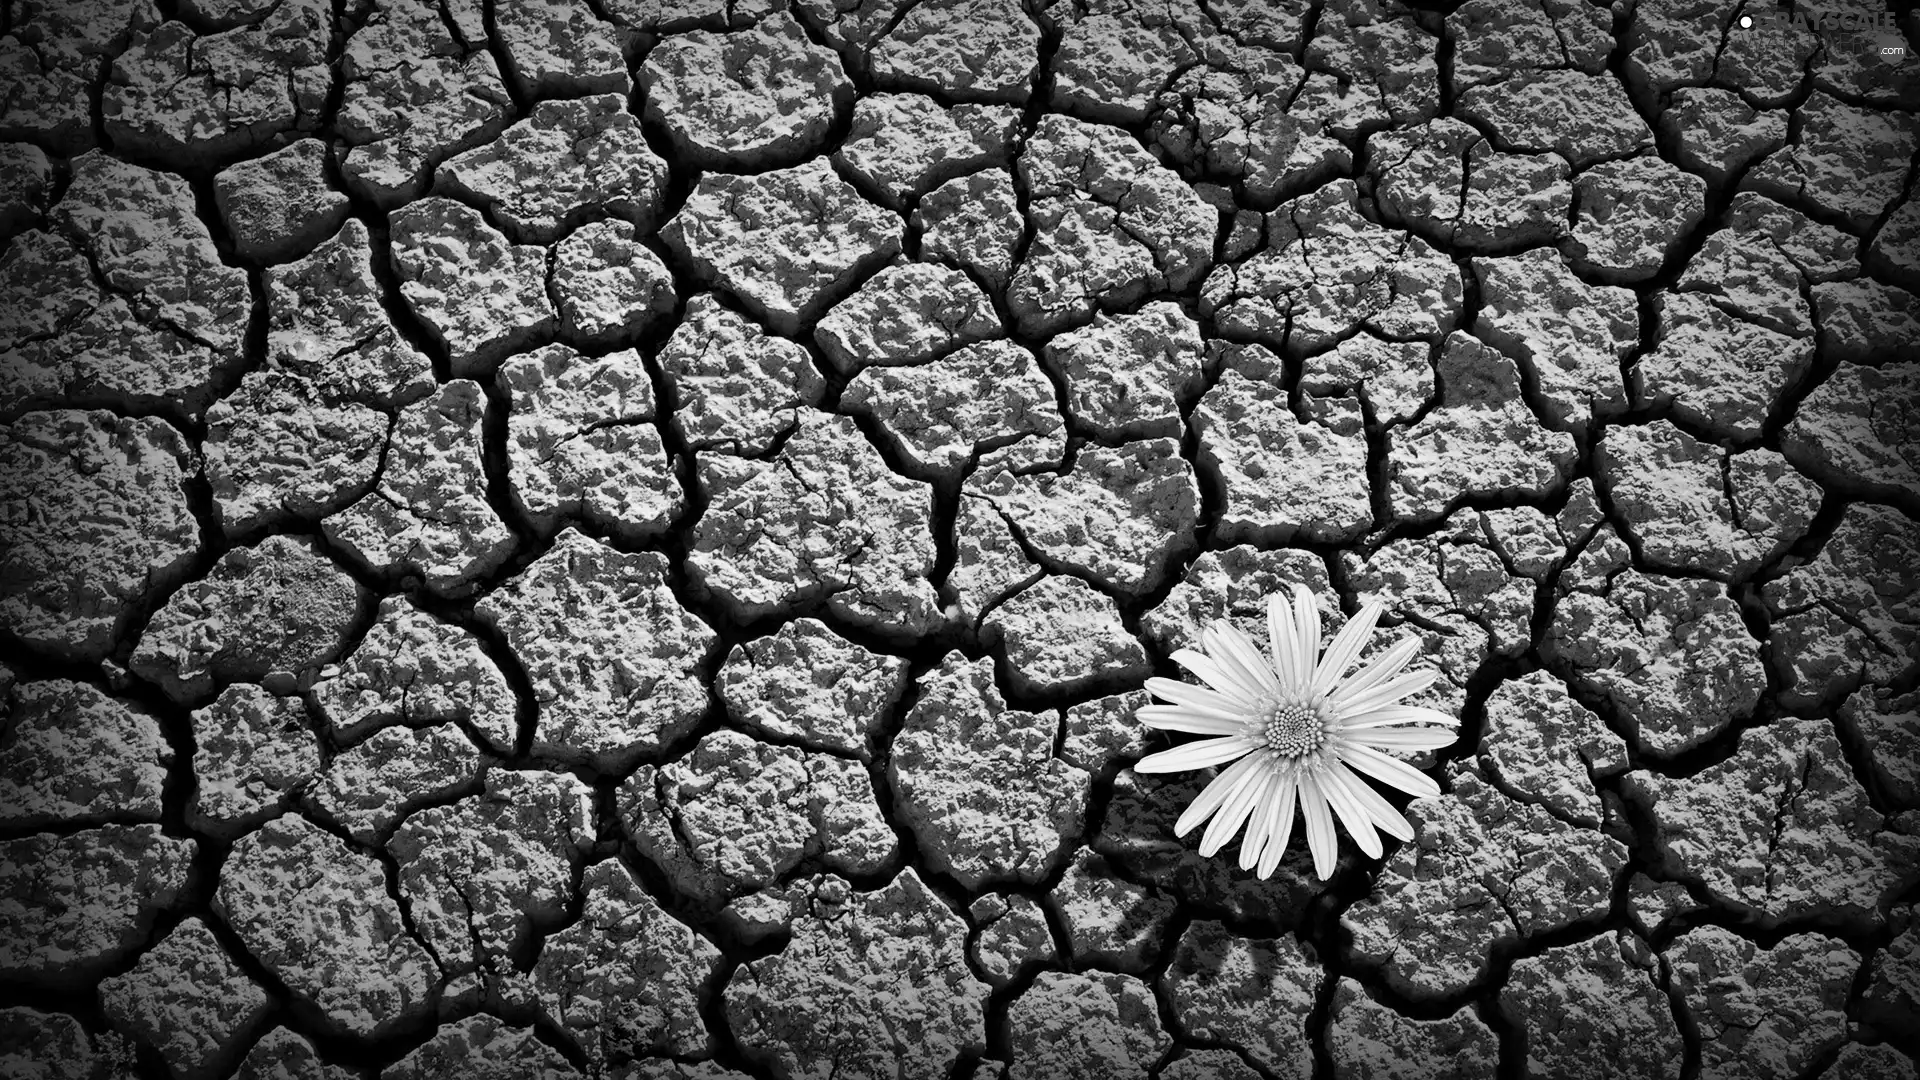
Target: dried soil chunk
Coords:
[(414, 96), (1234, 122), (908, 313), (1481, 870), (1894, 243), (279, 206), (1888, 724), (1672, 654), (1111, 225), (1286, 478), (1120, 514), (736, 813), (1114, 55), (974, 221), (1013, 932), (481, 296), (1763, 1012), (1546, 745), (1714, 131), (1492, 38), (738, 388), (93, 515), (1695, 506), (613, 658), (1781, 827), (804, 682), (1376, 47), (989, 397), (1444, 181), (480, 873), (786, 242), (872, 984), (1595, 1008), (429, 513), (754, 97), (37, 1045), (977, 782), (1087, 1026), (565, 160), (1718, 371), (561, 48), (1370, 1041), (51, 58), (26, 182), (1099, 733), (989, 563), (413, 670), (1854, 429), (276, 609), (824, 518), (370, 786), (1481, 440), (1853, 609), (1758, 268), (1127, 375), (968, 50), (1061, 637), (1234, 583), (1840, 164), (1395, 378), (1631, 214), (73, 904), (1252, 993), (581, 441), (905, 145), (1110, 921), (69, 752), (1583, 117), (1570, 335), (481, 1048), (625, 980), (1327, 271), (252, 753), (325, 324), (279, 447), (187, 998), (318, 915), (610, 288)]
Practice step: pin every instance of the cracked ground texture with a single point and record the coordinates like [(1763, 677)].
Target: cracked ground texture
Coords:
[(623, 538)]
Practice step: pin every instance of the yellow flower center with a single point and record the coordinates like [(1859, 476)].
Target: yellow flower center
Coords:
[(1292, 729)]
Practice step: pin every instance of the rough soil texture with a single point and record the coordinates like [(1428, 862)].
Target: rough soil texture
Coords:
[(622, 538)]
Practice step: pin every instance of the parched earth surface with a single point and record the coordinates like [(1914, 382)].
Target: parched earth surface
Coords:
[(622, 538)]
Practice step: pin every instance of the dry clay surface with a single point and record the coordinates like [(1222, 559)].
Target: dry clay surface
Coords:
[(622, 538)]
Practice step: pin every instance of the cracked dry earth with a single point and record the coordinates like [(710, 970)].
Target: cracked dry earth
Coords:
[(622, 538)]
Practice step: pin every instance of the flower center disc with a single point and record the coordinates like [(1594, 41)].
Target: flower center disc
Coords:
[(1292, 729)]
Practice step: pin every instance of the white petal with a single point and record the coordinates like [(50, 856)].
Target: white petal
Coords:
[(1378, 670), (1321, 839), (1352, 813), (1280, 645), (1390, 715), (1218, 676), (1387, 770), (1183, 718), (1306, 634), (1228, 645), (1198, 697), (1216, 792), (1388, 692), (1196, 755), (1242, 802), (1389, 820), (1260, 822), (1280, 832), (1419, 738), (1346, 646)]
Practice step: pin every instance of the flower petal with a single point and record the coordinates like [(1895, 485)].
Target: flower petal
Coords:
[(1280, 646), (1281, 829), (1216, 792), (1388, 693), (1321, 839), (1390, 715), (1217, 676), (1306, 634), (1378, 670), (1352, 813), (1196, 755), (1184, 718), (1410, 738), (1346, 646), (1386, 770), (1242, 802), (1198, 697), (1228, 645), (1385, 817), (1260, 823)]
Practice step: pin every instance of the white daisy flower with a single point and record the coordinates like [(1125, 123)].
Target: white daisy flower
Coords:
[(1296, 732)]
